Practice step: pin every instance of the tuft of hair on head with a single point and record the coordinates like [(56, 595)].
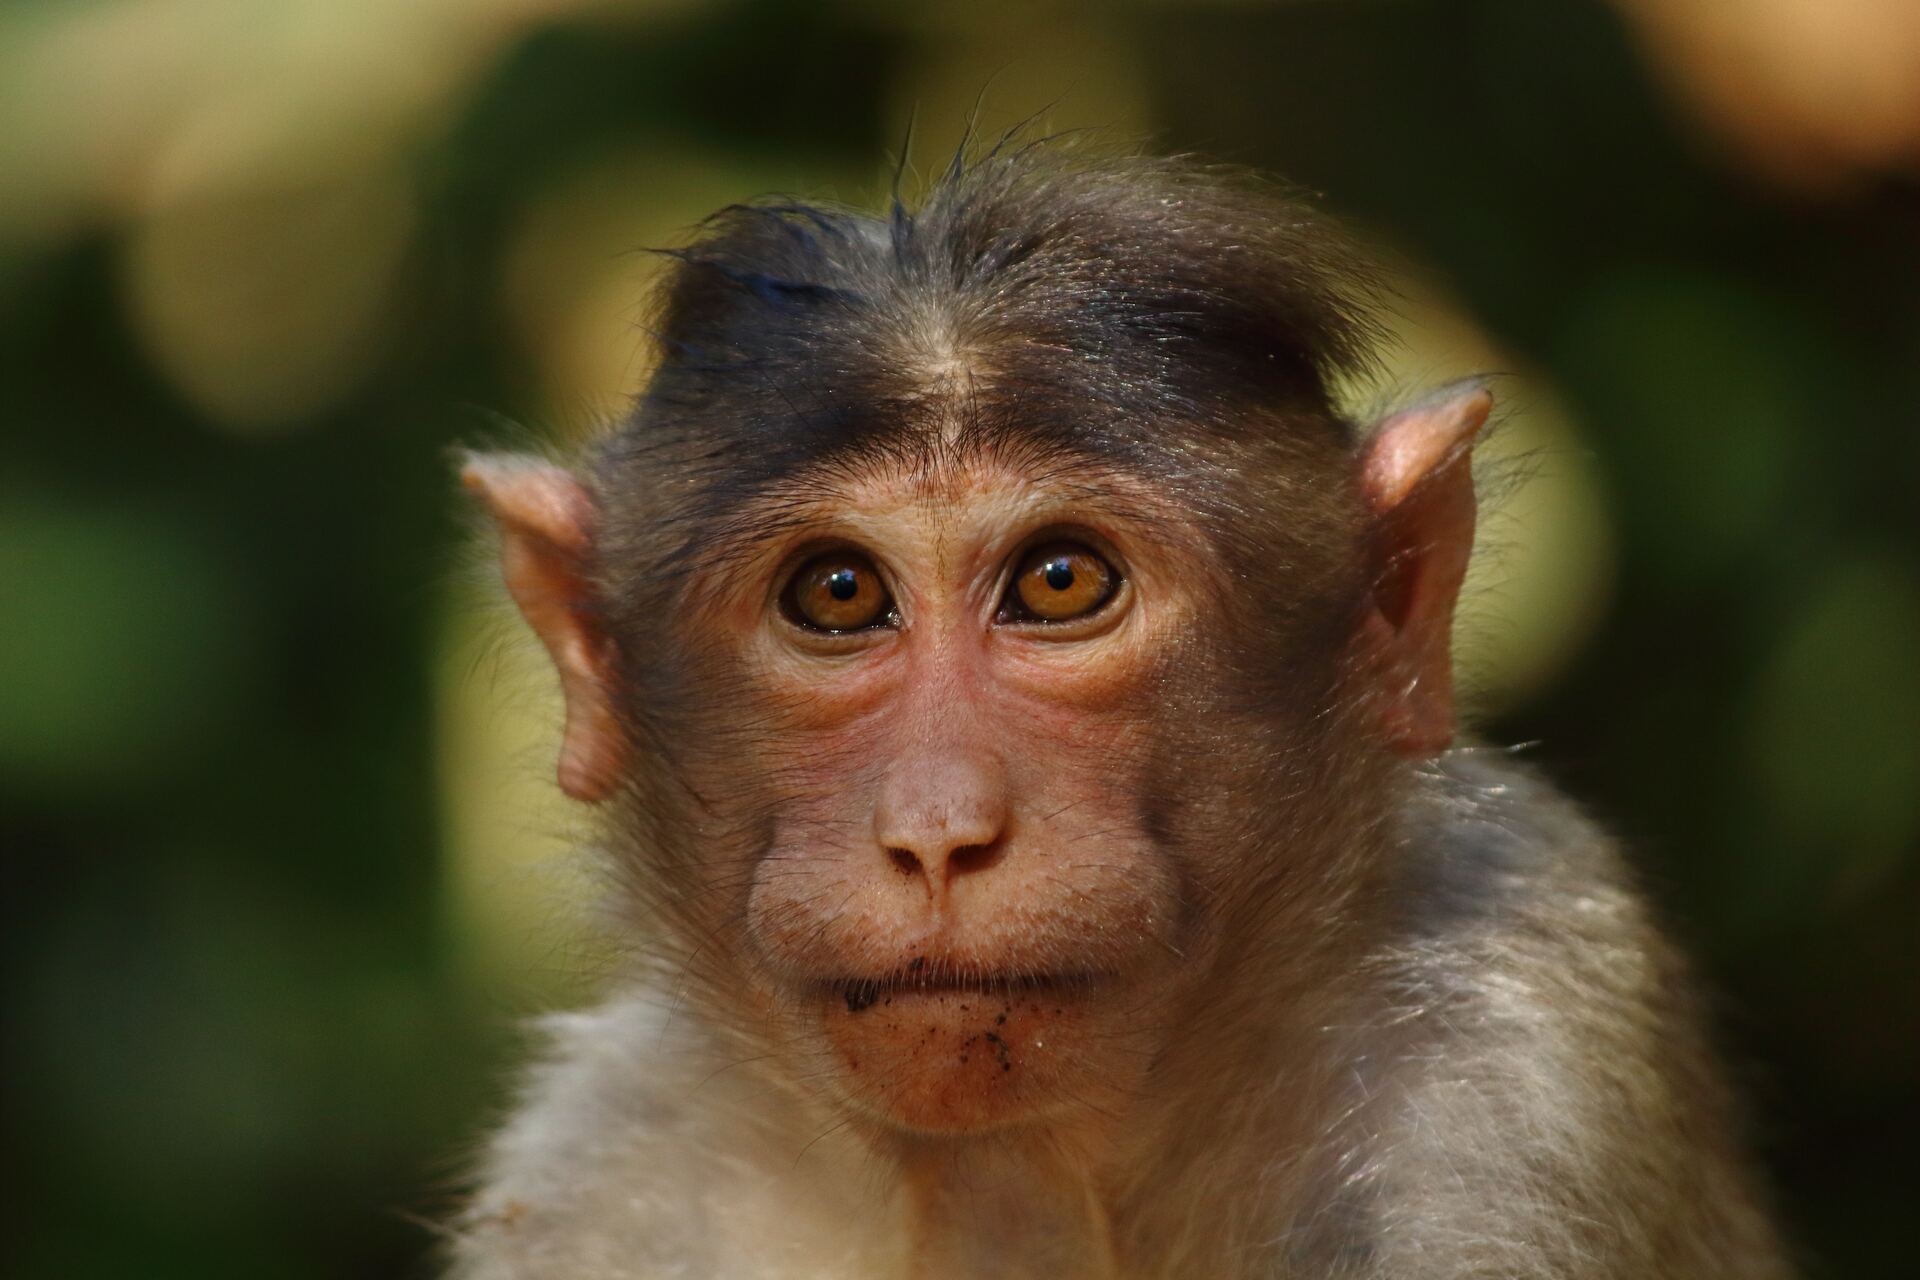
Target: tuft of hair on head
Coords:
[(1099, 293)]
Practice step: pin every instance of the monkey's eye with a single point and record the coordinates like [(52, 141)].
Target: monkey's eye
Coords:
[(1059, 582), (839, 591)]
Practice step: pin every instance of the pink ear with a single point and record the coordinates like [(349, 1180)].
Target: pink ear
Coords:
[(1417, 481), (546, 521)]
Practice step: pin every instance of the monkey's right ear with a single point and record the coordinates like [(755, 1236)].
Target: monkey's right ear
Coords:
[(546, 521)]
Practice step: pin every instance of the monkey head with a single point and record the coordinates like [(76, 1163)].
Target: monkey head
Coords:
[(962, 633)]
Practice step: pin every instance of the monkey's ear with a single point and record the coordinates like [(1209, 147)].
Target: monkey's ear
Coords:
[(1416, 477), (546, 520)]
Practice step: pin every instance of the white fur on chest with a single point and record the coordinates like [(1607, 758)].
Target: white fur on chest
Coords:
[(633, 1155)]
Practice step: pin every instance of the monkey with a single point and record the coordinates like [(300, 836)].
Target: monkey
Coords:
[(1015, 704)]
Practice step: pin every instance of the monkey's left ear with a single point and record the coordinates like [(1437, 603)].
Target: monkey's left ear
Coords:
[(546, 520), (1416, 477)]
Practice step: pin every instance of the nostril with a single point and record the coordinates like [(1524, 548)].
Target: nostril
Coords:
[(958, 861), (972, 857)]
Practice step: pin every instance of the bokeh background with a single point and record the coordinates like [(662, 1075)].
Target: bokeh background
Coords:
[(283, 864)]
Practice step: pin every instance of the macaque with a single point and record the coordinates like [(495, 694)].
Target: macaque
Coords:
[(1016, 706)]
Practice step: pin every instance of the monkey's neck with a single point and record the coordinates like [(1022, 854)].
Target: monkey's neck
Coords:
[(1013, 1208)]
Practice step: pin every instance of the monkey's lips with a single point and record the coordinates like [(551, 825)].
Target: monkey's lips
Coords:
[(964, 1051), (919, 982)]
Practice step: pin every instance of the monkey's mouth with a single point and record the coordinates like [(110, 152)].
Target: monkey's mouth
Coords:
[(946, 1047), (922, 979)]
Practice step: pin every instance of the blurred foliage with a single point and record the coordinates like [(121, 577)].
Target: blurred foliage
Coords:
[(284, 864)]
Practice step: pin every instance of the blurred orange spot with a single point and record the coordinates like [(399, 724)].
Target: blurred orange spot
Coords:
[(1809, 91)]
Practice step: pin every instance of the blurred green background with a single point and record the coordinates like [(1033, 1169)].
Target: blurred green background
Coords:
[(284, 864)]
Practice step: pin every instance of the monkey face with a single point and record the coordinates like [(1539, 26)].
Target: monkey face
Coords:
[(950, 770), (951, 686)]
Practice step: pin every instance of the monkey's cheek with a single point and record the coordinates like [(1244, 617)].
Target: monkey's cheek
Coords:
[(958, 1062)]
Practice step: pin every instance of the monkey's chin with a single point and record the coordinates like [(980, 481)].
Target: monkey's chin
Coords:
[(968, 1059)]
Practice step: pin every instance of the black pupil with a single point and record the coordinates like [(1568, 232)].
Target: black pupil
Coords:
[(1059, 574), (843, 584)]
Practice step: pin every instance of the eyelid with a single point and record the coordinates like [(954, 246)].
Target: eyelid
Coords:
[(1092, 539), (1068, 536), (786, 603)]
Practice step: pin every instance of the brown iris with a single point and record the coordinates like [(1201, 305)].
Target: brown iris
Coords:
[(1062, 581), (839, 591)]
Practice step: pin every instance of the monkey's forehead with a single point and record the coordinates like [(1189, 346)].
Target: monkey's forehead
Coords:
[(918, 399), (948, 494), (798, 435)]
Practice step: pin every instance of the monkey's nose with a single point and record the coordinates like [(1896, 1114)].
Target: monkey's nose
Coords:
[(940, 817)]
